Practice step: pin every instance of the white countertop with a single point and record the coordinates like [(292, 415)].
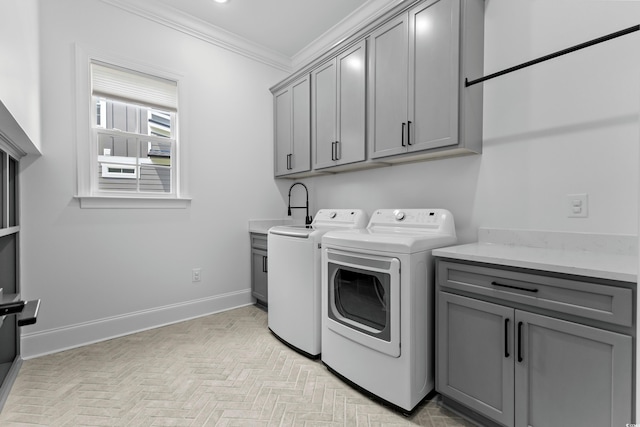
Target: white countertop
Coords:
[(611, 257), (262, 226)]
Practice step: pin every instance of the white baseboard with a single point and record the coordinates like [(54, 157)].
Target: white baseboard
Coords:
[(59, 339)]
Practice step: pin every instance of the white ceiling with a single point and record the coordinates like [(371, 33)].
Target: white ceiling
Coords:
[(283, 26), (282, 33)]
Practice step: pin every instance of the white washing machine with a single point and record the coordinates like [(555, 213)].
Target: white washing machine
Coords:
[(293, 274), (378, 303)]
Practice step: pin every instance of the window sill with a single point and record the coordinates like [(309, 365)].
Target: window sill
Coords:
[(121, 202), (9, 231)]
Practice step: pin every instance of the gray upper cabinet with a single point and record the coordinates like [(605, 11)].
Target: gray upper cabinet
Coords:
[(417, 101), (393, 91), (388, 87), (434, 81), (292, 120), (338, 109)]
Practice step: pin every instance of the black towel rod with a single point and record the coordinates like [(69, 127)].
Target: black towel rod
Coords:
[(629, 30)]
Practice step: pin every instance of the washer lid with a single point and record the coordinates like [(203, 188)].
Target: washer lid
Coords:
[(325, 220), (300, 231)]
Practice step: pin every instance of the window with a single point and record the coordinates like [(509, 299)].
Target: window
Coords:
[(8, 191), (130, 157), (133, 132)]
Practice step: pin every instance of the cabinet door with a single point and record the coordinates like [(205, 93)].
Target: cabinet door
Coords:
[(259, 275), (571, 375), (323, 122), (388, 64), (300, 160), (351, 100), (475, 355), (433, 75), (282, 123), (292, 128)]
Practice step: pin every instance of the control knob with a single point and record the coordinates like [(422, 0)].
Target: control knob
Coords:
[(399, 215)]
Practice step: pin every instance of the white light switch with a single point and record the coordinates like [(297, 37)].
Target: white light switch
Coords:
[(577, 205)]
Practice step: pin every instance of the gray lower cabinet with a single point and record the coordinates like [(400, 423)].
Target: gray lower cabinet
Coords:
[(513, 364), (570, 374), (259, 268), (474, 367)]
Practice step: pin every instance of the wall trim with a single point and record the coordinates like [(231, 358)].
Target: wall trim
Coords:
[(315, 54), (190, 25), (187, 24), (13, 138), (368, 12), (55, 340)]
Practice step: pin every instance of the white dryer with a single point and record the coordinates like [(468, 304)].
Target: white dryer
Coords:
[(294, 277), (378, 303)]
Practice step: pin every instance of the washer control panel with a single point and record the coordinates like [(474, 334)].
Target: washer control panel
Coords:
[(348, 218)]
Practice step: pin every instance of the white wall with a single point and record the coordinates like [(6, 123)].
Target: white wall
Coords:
[(19, 66), (106, 272), (566, 126)]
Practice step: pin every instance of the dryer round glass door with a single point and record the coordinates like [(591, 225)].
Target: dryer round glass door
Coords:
[(364, 299)]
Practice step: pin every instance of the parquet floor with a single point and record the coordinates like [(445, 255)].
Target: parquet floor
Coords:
[(221, 370)]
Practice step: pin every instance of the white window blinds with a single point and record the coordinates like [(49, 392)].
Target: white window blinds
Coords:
[(133, 87)]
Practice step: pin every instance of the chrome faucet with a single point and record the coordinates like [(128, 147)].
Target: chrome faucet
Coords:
[(307, 219)]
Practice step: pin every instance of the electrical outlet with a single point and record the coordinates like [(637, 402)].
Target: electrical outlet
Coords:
[(196, 274), (577, 205)]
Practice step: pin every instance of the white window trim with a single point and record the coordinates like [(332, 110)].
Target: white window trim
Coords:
[(85, 155)]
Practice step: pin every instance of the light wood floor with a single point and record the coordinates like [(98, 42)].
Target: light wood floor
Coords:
[(226, 369)]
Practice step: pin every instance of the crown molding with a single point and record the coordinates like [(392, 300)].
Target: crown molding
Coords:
[(13, 139), (328, 47), (368, 12), (195, 27), (192, 26)]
